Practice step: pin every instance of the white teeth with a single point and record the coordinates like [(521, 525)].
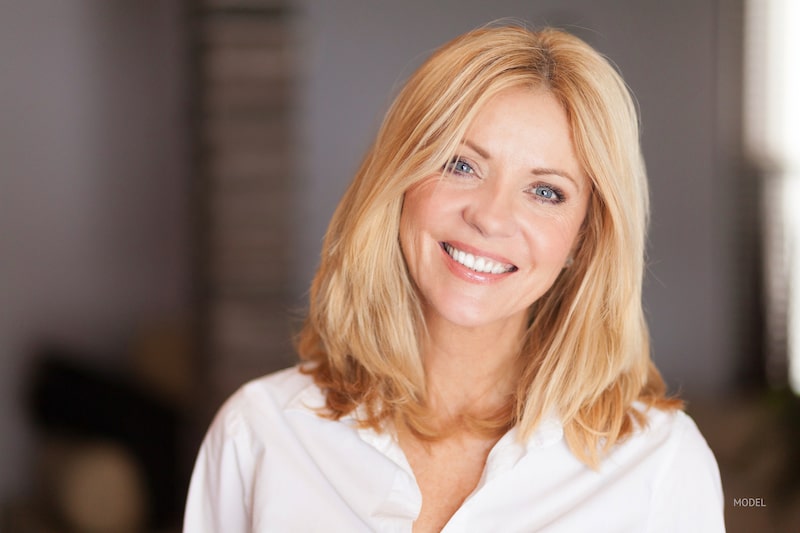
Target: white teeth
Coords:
[(478, 264)]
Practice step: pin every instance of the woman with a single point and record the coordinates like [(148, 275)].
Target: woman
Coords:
[(475, 352)]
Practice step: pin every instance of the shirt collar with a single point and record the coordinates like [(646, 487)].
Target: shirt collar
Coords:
[(309, 398), (509, 450), (548, 432)]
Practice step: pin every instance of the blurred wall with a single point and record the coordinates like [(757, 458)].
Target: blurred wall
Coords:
[(681, 60), (93, 187)]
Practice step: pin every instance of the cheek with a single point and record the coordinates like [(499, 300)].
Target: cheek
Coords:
[(566, 229), (570, 238), (551, 240), (411, 224), (417, 213)]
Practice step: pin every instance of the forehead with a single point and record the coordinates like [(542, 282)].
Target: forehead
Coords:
[(524, 125), (526, 105)]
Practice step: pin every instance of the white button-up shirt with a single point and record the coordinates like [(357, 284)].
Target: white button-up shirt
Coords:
[(269, 463)]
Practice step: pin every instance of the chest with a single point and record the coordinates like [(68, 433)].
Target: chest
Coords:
[(446, 474), (325, 477)]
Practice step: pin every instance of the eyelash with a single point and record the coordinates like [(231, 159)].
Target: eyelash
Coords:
[(455, 162), (556, 195)]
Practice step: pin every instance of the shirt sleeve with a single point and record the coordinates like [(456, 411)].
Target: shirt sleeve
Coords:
[(219, 491), (688, 496)]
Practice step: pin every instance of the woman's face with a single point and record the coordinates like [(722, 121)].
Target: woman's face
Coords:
[(487, 239)]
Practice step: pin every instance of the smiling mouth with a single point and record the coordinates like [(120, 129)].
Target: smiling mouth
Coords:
[(475, 263)]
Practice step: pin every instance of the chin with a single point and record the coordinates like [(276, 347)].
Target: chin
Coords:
[(467, 316)]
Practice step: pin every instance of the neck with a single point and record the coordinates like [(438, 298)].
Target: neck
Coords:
[(471, 369)]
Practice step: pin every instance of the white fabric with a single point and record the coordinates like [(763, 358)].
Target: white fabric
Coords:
[(270, 464)]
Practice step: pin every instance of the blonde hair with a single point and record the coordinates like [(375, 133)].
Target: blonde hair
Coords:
[(590, 361)]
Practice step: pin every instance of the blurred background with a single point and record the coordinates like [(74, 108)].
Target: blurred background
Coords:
[(168, 168)]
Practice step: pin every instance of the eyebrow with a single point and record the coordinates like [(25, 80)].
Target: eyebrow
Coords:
[(537, 171)]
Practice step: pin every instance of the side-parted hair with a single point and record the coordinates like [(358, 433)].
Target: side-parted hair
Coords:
[(586, 353)]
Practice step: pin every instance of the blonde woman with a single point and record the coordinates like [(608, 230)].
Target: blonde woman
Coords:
[(475, 356)]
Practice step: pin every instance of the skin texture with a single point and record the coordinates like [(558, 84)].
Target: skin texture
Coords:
[(515, 194)]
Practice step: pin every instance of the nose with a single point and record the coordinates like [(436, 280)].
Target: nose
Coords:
[(490, 211)]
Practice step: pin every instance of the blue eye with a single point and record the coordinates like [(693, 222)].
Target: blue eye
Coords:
[(459, 166), (548, 194)]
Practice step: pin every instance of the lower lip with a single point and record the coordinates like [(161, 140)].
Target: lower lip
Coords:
[(468, 274)]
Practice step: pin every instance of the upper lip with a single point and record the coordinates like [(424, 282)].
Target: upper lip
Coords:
[(480, 253)]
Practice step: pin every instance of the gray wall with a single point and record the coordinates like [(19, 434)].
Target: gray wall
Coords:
[(93, 188), (680, 59)]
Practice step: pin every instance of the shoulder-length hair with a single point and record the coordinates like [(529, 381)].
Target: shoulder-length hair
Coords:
[(586, 354)]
